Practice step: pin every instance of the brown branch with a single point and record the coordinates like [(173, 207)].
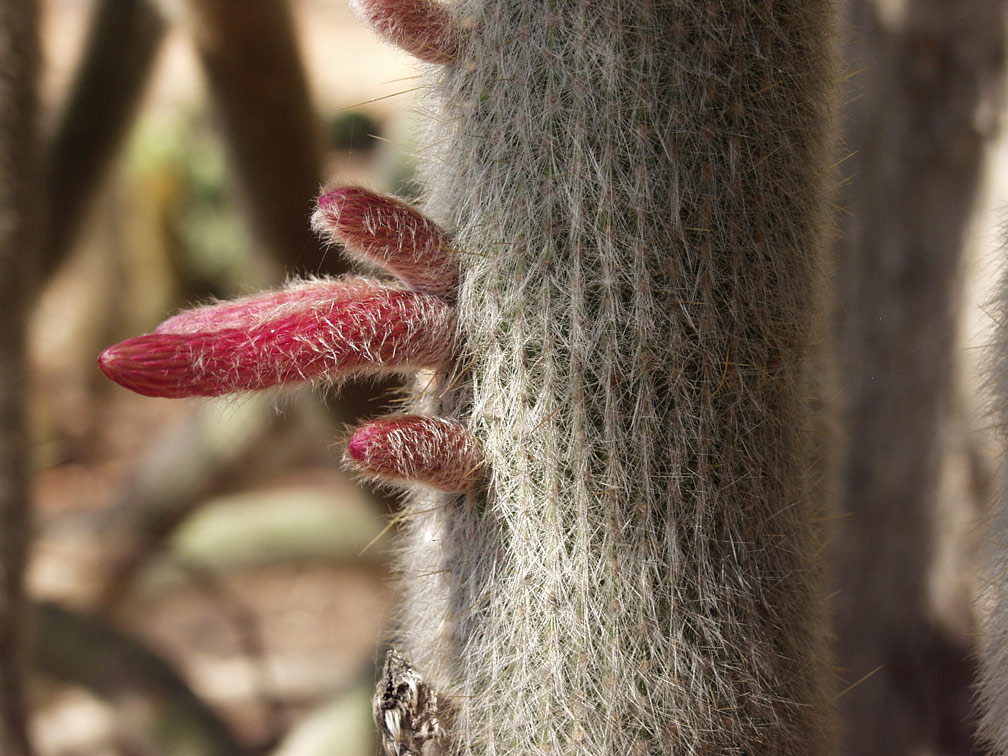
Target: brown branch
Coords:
[(119, 55), (19, 57), (917, 141), (252, 62), (86, 651)]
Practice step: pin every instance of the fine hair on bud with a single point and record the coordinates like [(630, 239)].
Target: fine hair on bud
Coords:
[(320, 330), (423, 28), (433, 451), (385, 231)]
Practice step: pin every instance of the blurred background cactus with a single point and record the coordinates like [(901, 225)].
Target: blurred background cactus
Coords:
[(204, 580)]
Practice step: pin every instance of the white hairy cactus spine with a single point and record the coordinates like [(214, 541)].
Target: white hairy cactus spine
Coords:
[(639, 192)]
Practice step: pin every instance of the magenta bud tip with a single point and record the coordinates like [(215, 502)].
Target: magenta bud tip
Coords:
[(332, 200), (359, 443), (107, 362)]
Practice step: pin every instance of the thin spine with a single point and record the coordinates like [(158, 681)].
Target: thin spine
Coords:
[(259, 308)]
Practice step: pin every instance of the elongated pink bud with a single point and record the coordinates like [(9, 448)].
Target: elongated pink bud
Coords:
[(423, 28), (320, 330), (260, 308), (386, 231), (431, 450)]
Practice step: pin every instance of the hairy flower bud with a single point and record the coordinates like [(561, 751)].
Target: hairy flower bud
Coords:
[(323, 329), (423, 28), (385, 231), (437, 452)]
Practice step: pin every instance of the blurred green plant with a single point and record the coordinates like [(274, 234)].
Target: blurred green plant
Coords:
[(180, 164), (352, 130)]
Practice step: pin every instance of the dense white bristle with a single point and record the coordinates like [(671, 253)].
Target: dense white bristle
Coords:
[(639, 189)]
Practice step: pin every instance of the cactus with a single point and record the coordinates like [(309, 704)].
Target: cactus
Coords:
[(635, 192), (638, 192)]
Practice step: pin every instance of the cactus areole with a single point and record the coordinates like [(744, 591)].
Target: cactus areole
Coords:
[(613, 289)]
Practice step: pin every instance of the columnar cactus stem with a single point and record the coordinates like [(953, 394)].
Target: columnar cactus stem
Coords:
[(641, 186), (993, 672), (920, 122)]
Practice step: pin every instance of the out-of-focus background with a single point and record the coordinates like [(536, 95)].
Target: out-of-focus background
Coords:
[(203, 578), (219, 536)]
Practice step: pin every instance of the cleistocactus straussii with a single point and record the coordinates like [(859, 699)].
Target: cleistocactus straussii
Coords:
[(613, 294)]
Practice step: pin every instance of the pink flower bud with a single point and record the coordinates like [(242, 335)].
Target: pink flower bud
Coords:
[(431, 450), (423, 28), (386, 231), (316, 330)]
